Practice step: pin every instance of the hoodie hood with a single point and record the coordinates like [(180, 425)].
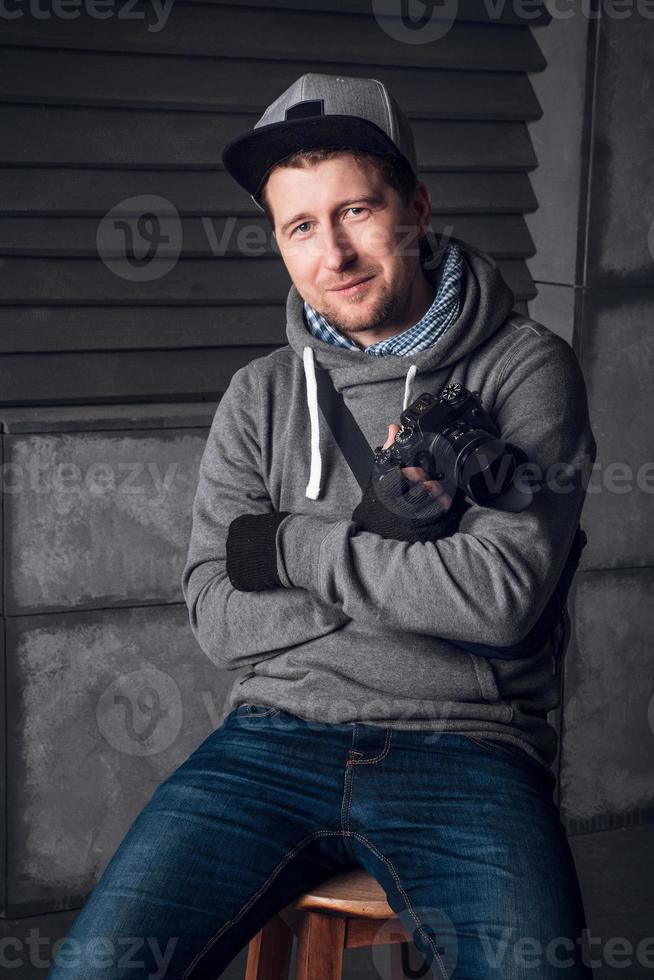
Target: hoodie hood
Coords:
[(486, 303)]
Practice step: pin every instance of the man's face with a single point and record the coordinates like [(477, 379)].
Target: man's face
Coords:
[(337, 222)]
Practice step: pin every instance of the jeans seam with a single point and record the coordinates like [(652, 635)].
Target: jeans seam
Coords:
[(377, 758), (291, 854), (406, 900), (347, 801), (347, 789), (253, 898)]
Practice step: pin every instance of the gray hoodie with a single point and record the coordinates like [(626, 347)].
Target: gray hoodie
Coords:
[(361, 630)]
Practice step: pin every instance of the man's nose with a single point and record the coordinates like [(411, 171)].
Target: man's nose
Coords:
[(337, 248)]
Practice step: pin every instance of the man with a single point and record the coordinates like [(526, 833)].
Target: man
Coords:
[(399, 646)]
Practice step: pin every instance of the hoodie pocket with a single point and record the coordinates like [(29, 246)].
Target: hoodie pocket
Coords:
[(261, 710), (485, 677), (488, 685)]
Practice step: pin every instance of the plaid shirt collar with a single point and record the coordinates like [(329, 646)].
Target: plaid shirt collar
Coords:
[(443, 311)]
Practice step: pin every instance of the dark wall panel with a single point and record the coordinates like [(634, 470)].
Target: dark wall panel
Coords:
[(607, 770), (616, 352), (235, 31), (98, 519), (74, 733), (98, 112), (621, 203)]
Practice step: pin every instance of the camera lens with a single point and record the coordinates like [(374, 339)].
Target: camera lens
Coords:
[(487, 470)]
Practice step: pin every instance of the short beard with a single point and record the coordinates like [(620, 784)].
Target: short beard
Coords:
[(390, 307)]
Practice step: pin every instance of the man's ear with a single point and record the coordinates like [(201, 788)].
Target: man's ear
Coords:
[(426, 196)]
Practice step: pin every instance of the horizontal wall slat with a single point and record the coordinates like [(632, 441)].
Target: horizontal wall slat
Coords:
[(161, 375), (78, 281), (63, 192), (486, 12), (484, 192), (100, 328), (505, 236), (94, 112), (204, 84), (239, 32), (79, 136), (70, 328), (47, 282)]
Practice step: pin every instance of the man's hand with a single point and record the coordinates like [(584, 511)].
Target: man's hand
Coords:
[(417, 474), (392, 508)]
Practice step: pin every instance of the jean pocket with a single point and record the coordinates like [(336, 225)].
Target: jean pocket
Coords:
[(510, 752)]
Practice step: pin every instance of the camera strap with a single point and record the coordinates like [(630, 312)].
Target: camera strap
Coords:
[(349, 437)]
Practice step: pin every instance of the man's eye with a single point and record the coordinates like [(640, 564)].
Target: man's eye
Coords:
[(354, 208)]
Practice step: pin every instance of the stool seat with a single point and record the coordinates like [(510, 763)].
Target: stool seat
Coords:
[(348, 910), (348, 893)]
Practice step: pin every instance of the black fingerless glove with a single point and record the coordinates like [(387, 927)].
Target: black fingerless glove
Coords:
[(252, 551), (399, 508)]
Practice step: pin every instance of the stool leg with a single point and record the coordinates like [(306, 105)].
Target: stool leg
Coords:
[(269, 952), (321, 942)]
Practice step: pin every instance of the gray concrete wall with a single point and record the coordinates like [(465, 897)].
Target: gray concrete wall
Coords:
[(594, 270)]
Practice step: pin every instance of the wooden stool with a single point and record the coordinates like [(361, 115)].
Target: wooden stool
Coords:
[(347, 911)]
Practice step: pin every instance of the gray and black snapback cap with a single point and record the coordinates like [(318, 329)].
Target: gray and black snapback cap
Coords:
[(321, 111)]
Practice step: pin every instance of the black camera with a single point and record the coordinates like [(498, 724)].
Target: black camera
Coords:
[(456, 442)]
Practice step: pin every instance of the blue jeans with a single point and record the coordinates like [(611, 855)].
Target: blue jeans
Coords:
[(462, 833)]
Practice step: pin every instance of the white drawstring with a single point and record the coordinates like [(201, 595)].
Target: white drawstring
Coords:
[(410, 375), (313, 486)]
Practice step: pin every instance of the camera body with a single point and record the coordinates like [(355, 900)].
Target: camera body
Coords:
[(455, 441)]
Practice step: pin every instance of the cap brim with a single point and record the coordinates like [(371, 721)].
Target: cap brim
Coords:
[(249, 158)]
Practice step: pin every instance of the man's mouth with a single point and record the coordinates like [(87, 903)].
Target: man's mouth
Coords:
[(352, 286)]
